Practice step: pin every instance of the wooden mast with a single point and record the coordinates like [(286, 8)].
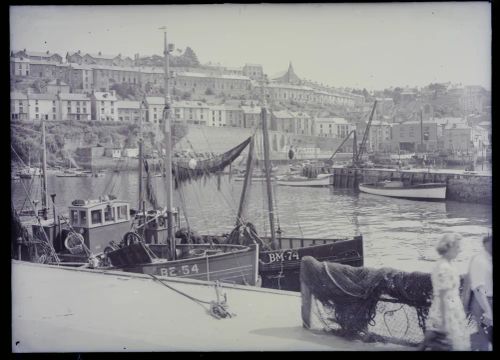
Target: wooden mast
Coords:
[(168, 150), (45, 202), (246, 184), (141, 160), (267, 163)]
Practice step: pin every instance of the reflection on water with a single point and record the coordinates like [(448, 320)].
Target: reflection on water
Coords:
[(397, 233)]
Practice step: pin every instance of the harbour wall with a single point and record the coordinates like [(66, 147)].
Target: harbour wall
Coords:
[(464, 187)]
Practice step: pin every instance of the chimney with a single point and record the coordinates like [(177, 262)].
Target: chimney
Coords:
[(47, 52), (99, 53), (79, 52)]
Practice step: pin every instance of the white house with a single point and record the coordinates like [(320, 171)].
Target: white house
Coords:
[(74, 106), (43, 107), (155, 106), (104, 106), (217, 116), (129, 111), (334, 127), (18, 106), (191, 112)]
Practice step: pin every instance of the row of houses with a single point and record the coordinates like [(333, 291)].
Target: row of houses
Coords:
[(449, 134), (85, 77)]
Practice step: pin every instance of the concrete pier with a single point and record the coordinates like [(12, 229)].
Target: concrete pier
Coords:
[(474, 187), (57, 309)]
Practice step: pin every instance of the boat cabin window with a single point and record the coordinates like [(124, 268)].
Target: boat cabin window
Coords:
[(74, 217), (96, 216), (122, 212), (109, 213), (83, 217)]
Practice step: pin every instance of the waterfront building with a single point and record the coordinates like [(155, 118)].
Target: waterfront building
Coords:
[(103, 105), (458, 137), (200, 83), (155, 106), (333, 127), (217, 116), (128, 111), (253, 71), (415, 136), (283, 121), (19, 66), (57, 86), (80, 78), (251, 116), (43, 107), (74, 107), (303, 123), (18, 106), (234, 116), (191, 112), (38, 55), (114, 152), (379, 136), (48, 70)]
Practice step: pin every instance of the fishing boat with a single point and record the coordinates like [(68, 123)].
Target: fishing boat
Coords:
[(299, 180), (398, 189)]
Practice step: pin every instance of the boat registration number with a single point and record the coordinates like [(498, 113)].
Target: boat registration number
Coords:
[(287, 255), (179, 270)]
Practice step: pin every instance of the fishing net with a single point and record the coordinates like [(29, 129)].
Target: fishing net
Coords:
[(384, 304), (189, 169)]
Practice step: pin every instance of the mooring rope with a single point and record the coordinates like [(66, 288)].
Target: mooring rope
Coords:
[(217, 309)]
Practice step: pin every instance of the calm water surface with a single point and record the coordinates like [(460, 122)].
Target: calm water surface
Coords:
[(397, 233)]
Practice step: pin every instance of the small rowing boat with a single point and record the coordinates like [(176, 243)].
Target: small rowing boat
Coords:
[(398, 189)]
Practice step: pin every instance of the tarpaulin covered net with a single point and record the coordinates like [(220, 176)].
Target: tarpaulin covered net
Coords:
[(373, 304)]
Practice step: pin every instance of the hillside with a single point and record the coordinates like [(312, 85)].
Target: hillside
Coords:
[(62, 138)]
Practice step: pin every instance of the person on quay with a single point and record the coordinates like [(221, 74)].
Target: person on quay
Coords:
[(480, 300), (446, 314)]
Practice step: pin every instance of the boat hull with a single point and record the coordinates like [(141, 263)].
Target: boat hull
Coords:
[(280, 269), (415, 192), (318, 182), (234, 266)]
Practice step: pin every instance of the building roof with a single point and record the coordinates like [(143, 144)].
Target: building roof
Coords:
[(155, 100), (57, 82), (42, 97), (104, 96), (289, 86), (459, 126), (224, 76), (19, 59), (41, 53), (102, 56), (380, 123), (300, 114), (333, 120), (289, 77), (413, 122), (128, 104), (190, 104), (283, 114), (72, 96), (251, 109), (16, 95)]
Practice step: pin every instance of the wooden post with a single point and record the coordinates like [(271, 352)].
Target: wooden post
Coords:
[(306, 305)]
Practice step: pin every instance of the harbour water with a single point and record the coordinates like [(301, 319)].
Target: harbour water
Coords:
[(397, 233)]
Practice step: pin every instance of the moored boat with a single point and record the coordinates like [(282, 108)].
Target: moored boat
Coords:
[(298, 180), (398, 189)]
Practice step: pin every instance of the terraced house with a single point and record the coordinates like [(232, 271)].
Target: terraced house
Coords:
[(103, 106), (74, 107)]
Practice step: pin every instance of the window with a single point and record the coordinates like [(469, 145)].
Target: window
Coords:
[(77, 103), (74, 217), (54, 117), (53, 109), (36, 116), (112, 111), (36, 109), (69, 110), (96, 216), (53, 102), (122, 212), (109, 213)]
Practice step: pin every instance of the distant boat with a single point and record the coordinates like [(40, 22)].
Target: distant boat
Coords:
[(428, 191), (298, 180), (73, 173)]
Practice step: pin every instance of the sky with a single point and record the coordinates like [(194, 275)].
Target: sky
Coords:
[(372, 46)]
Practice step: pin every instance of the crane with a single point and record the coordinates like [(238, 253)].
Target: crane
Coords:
[(357, 158)]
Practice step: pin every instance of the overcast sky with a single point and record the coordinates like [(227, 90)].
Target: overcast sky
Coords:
[(354, 45)]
